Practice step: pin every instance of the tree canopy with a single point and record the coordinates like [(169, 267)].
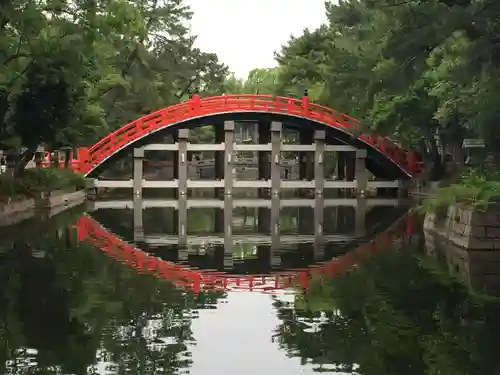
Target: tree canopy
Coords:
[(407, 69), (71, 72)]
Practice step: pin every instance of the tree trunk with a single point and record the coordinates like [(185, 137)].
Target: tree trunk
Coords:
[(24, 160), (436, 160)]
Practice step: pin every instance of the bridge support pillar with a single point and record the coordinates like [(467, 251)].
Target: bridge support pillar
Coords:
[(138, 172), (219, 158), (182, 176), (306, 159), (255, 140), (264, 165), (276, 158), (361, 173), (319, 157), (183, 162), (228, 159)]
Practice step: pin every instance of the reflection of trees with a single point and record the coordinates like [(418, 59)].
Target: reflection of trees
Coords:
[(63, 309), (390, 315)]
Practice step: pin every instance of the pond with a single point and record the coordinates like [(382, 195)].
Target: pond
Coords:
[(96, 293)]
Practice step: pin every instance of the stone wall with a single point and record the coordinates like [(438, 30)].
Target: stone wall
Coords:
[(467, 228), (17, 211), (479, 269)]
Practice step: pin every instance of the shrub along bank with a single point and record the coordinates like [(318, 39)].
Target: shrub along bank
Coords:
[(476, 188), (35, 181)]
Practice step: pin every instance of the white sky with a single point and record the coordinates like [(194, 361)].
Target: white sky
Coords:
[(246, 33)]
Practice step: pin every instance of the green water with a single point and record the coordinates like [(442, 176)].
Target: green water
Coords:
[(66, 307)]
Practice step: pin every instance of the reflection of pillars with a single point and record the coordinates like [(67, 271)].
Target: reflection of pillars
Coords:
[(183, 253), (228, 232), (319, 249), (263, 220), (219, 157), (319, 170), (360, 217), (182, 170), (275, 232), (275, 158), (228, 157), (137, 197), (305, 157), (183, 163), (138, 171), (182, 220), (264, 156), (361, 173), (138, 220)]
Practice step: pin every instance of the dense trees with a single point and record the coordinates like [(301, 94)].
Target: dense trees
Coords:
[(407, 69), (72, 71)]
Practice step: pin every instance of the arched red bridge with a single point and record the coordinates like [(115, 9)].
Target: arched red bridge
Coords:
[(385, 158), (198, 280)]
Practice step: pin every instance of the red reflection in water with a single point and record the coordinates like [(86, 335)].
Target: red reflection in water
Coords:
[(198, 280)]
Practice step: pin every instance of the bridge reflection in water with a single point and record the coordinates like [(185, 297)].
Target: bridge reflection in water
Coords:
[(257, 245)]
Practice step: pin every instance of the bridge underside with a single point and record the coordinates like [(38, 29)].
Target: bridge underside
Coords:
[(376, 162)]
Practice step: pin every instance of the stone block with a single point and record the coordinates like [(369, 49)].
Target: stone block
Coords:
[(492, 232), (478, 231)]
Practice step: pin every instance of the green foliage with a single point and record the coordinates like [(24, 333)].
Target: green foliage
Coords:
[(475, 189), (72, 72), (37, 180), (406, 69)]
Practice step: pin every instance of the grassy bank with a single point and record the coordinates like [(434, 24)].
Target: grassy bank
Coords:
[(475, 188), (35, 181)]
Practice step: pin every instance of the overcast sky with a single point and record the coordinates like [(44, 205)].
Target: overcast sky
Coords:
[(245, 34)]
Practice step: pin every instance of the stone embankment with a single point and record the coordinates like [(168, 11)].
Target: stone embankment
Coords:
[(16, 211), (467, 227)]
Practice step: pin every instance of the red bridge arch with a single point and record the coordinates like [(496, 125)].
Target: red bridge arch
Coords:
[(199, 280), (385, 157)]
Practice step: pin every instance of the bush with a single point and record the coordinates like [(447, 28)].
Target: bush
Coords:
[(477, 188), (37, 180)]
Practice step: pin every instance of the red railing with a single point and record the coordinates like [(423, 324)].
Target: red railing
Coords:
[(199, 280), (89, 158)]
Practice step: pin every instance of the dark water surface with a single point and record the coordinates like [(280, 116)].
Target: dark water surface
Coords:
[(76, 297)]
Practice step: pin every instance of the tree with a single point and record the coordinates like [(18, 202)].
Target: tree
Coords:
[(72, 72), (412, 70)]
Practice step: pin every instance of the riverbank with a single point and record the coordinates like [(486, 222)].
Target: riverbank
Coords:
[(466, 213), (47, 190)]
